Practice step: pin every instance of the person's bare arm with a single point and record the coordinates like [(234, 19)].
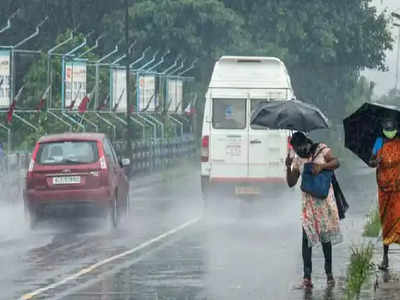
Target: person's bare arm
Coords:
[(374, 161), (292, 175), (331, 163)]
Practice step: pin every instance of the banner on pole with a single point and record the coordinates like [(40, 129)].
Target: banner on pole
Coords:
[(147, 90), (75, 83), (118, 88), (175, 95), (4, 78)]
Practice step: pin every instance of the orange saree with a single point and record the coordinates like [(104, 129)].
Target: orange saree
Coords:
[(388, 178)]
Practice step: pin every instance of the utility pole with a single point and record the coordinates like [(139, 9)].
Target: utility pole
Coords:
[(397, 16), (129, 129)]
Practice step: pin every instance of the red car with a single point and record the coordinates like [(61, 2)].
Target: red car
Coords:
[(76, 171)]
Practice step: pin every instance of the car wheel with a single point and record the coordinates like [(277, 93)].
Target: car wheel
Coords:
[(127, 205), (114, 212), (31, 217)]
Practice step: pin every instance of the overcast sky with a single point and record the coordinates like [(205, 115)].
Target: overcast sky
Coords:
[(386, 80)]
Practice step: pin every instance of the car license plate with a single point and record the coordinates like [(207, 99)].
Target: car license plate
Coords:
[(247, 190), (67, 180)]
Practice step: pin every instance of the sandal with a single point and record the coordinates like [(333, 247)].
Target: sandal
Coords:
[(330, 280), (384, 265), (304, 284)]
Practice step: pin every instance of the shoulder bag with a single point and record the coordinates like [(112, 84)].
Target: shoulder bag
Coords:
[(316, 185)]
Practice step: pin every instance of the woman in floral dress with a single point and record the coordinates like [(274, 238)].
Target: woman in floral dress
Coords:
[(320, 218)]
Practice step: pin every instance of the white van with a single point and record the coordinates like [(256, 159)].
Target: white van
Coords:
[(243, 158)]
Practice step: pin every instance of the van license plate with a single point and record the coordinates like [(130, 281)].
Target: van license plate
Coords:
[(67, 180), (247, 190)]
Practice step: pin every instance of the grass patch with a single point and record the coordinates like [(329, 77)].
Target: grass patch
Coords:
[(373, 225), (359, 269)]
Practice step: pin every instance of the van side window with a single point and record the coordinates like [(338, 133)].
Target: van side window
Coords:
[(229, 113)]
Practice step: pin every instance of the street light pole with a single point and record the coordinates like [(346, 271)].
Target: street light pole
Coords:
[(397, 16), (129, 129), (398, 57)]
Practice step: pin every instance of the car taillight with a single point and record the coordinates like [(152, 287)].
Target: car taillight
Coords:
[(102, 160), (205, 142), (103, 164), (32, 162)]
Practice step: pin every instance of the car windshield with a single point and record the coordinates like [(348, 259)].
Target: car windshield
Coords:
[(67, 152)]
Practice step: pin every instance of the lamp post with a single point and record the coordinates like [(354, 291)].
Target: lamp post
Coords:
[(129, 128), (397, 16)]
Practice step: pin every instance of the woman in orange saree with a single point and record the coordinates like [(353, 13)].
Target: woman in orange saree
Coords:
[(386, 157)]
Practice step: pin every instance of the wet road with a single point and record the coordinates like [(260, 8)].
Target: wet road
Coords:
[(255, 255)]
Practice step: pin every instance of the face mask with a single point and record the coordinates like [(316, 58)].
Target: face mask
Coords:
[(390, 133)]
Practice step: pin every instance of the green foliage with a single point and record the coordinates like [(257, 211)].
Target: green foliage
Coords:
[(195, 29), (359, 269), (393, 97), (373, 225), (361, 93), (325, 44)]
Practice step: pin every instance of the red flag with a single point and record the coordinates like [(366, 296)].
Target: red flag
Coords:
[(10, 111), (41, 105), (71, 106), (103, 105), (43, 99), (132, 108), (190, 110), (85, 101), (83, 105), (13, 105), (118, 101)]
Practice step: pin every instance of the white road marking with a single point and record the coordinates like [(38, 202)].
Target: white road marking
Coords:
[(89, 269)]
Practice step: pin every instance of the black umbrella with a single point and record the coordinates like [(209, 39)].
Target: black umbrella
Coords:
[(363, 127), (290, 114)]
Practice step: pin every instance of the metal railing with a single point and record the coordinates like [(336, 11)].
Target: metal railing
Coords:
[(152, 155), (147, 156)]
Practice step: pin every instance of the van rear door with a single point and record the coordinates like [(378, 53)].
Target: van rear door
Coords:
[(267, 151), (229, 140)]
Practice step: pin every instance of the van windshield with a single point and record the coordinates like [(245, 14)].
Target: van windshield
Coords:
[(67, 152), (229, 113)]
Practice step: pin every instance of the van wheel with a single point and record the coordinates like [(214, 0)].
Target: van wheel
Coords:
[(208, 197), (114, 212)]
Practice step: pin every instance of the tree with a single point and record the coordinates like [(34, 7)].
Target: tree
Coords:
[(196, 29), (360, 94), (328, 43), (392, 98)]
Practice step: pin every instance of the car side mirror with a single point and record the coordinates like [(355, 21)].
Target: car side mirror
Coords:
[(125, 162)]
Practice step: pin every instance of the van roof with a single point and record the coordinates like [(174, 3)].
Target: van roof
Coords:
[(255, 72), (249, 59), (71, 136)]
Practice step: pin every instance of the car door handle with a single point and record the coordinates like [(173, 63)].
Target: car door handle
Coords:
[(255, 142)]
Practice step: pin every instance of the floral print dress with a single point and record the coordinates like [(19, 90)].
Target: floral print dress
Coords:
[(320, 218)]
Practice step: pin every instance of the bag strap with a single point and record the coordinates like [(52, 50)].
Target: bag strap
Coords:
[(319, 151)]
